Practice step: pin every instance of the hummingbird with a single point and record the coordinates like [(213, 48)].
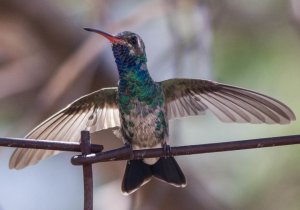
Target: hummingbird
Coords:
[(140, 109)]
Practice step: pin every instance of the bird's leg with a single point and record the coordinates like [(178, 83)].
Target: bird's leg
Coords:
[(166, 148), (128, 146)]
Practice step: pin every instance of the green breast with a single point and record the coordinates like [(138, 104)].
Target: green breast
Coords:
[(143, 120)]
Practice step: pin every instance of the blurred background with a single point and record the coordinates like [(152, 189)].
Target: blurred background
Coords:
[(47, 60)]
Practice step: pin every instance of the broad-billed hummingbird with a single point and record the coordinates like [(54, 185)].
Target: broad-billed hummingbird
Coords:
[(141, 108)]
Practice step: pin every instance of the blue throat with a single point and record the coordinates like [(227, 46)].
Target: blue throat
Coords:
[(133, 72), (135, 81)]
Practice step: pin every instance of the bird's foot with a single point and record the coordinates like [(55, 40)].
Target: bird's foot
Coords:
[(128, 146), (167, 149)]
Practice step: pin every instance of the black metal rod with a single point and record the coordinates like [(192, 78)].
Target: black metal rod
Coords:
[(124, 153), (46, 144), (87, 171)]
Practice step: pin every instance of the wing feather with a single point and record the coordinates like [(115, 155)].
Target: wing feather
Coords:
[(239, 114), (185, 97), (93, 112), (221, 111), (255, 115)]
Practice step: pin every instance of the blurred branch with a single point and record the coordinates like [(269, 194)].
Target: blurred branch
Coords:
[(189, 24), (23, 71), (34, 43), (47, 20), (295, 13), (86, 53)]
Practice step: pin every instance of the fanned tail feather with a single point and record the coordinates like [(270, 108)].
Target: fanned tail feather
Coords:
[(138, 173)]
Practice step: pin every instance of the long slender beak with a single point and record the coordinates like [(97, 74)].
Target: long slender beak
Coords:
[(111, 38)]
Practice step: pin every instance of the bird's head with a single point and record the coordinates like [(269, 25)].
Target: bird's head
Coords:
[(127, 47)]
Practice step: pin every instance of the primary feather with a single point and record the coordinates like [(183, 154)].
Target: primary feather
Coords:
[(186, 97), (93, 112)]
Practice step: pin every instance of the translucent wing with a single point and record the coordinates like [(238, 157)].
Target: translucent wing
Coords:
[(186, 97), (93, 112)]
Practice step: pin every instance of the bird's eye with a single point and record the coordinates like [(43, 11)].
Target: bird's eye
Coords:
[(133, 40)]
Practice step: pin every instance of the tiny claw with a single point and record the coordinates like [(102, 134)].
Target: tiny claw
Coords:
[(129, 147), (167, 149)]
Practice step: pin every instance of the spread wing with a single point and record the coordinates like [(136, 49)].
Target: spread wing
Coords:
[(186, 97), (93, 112)]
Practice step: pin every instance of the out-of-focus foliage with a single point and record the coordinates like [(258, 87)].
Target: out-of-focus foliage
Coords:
[(47, 60)]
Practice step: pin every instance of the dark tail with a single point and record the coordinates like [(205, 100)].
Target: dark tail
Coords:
[(138, 173)]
